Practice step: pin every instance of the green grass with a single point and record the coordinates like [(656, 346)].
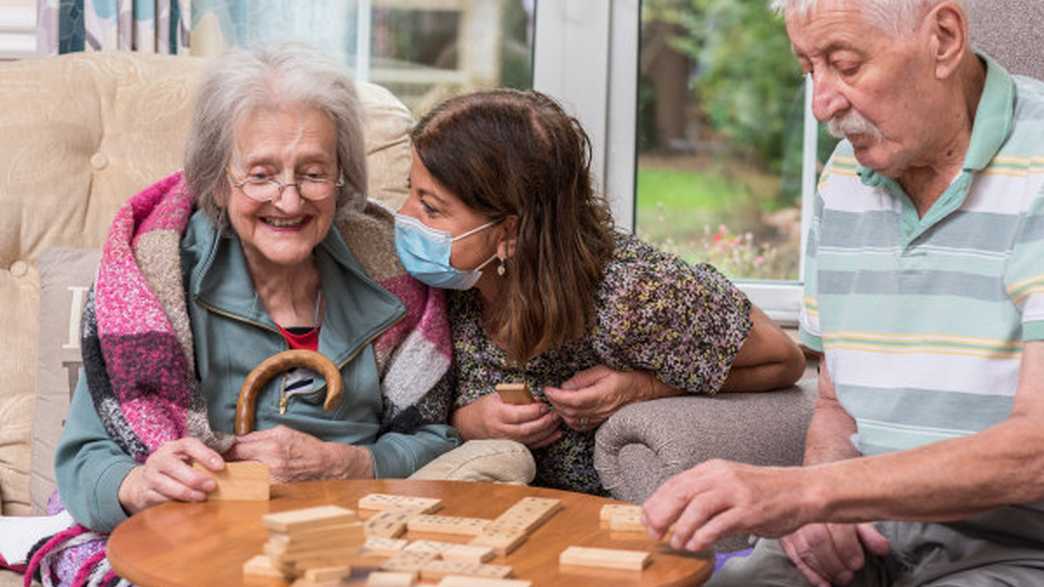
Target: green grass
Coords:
[(680, 205), (683, 190), (677, 208)]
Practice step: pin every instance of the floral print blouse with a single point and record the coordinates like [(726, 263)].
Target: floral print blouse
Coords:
[(655, 312)]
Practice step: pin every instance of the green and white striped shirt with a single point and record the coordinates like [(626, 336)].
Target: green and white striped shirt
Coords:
[(922, 320)]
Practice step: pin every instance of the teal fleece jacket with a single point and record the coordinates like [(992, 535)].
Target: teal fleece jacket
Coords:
[(232, 334)]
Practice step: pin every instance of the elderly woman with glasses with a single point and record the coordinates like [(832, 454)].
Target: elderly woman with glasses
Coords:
[(265, 243)]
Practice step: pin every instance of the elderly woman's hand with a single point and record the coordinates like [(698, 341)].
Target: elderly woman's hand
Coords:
[(167, 475), (296, 456), (588, 398), (534, 425)]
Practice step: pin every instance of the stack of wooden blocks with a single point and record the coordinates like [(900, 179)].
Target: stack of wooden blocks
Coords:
[(308, 546)]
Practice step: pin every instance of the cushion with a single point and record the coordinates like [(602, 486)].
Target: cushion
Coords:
[(65, 276), (79, 133), (18, 301)]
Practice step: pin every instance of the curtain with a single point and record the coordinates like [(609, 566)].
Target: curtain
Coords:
[(208, 27), (327, 25), (147, 26)]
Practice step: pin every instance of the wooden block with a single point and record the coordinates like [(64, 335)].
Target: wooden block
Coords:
[(384, 546), (408, 561), (297, 568), (447, 525), (452, 551), (385, 579), (389, 524), (324, 574), (321, 553), (307, 519), (339, 530), (514, 393), (431, 546), (459, 581), (288, 570), (439, 569), (604, 558), (610, 510), (502, 540), (302, 582), (627, 522), (469, 553), (239, 481), (528, 514), (302, 566), (386, 501), (348, 534), (306, 582), (260, 566)]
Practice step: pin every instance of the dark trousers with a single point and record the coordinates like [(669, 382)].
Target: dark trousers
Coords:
[(1002, 547)]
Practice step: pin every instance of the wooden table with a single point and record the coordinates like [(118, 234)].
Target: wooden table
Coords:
[(183, 544)]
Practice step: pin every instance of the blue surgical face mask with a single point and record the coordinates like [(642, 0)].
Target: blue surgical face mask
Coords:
[(425, 253)]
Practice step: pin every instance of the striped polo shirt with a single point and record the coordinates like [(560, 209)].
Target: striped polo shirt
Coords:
[(922, 319)]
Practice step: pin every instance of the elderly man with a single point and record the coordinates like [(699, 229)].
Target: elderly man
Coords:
[(924, 461)]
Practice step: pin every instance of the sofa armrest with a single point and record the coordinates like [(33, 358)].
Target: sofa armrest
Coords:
[(643, 444)]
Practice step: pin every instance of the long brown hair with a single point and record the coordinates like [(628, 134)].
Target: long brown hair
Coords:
[(506, 152)]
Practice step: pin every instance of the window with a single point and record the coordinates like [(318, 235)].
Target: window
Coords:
[(422, 50), (719, 156), (721, 143), (426, 50)]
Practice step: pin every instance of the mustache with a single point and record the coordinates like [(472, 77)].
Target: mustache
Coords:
[(852, 123)]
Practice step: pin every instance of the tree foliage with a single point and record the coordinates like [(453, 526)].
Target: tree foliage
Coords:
[(746, 80)]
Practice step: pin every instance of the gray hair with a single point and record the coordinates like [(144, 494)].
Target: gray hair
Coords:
[(241, 81), (895, 17)]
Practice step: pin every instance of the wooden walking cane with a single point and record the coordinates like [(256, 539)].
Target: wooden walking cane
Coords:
[(279, 363)]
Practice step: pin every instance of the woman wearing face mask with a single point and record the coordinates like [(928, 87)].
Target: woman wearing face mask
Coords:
[(502, 211)]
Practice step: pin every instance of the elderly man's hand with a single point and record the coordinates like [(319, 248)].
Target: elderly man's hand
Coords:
[(717, 499), (831, 554), (591, 396), (168, 475), (296, 456)]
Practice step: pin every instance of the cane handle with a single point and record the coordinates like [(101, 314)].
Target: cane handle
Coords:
[(276, 364)]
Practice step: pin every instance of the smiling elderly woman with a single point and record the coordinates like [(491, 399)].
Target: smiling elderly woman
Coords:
[(265, 244)]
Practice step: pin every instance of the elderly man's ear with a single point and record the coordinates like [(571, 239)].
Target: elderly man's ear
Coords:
[(948, 32)]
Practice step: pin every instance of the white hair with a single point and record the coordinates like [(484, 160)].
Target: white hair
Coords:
[(895, 17), (242, 81)]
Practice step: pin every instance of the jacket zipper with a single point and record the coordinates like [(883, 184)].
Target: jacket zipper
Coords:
[(284, 397)]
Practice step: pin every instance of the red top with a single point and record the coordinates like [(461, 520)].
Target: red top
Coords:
[(301, 339)]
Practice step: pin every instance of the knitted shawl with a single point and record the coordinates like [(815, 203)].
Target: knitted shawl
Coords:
[(138, 351)]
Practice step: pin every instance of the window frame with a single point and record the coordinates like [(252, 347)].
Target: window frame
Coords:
[(586, 55)]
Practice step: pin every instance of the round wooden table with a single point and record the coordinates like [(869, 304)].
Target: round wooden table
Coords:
[(191, 544)]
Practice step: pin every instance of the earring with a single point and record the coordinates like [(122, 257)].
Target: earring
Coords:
[(501, 269)]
